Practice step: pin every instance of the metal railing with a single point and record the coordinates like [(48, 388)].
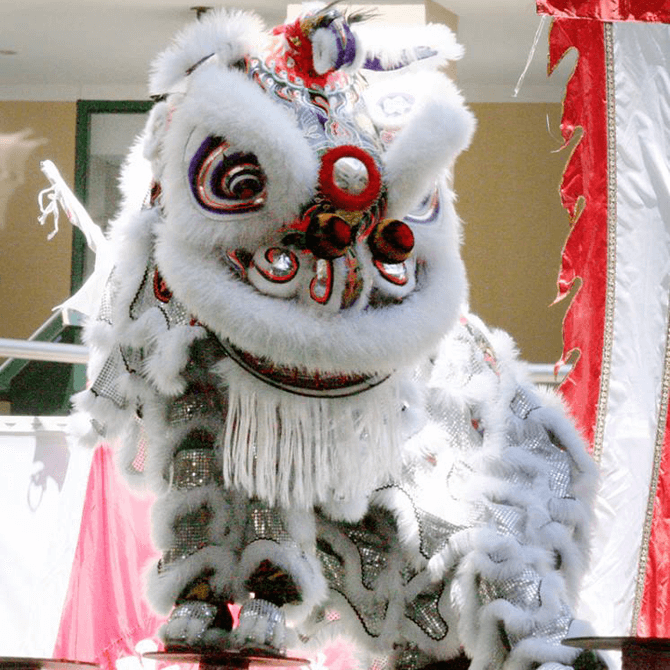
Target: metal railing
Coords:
[(43, 351), (78, 353)]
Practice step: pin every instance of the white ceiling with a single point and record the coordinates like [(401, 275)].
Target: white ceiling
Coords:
[(101, 49)]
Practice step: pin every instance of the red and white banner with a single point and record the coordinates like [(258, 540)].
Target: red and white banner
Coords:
[(616, 188)]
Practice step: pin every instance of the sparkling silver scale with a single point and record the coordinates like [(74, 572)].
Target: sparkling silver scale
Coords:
[(522, 590), (106, 385), (521, 405), (267, 524), (191, 533), (190, 406), (424, 612), (193, 468), (195, 612)]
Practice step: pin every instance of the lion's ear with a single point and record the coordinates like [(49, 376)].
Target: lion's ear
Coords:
[(227, 35), (154, 131)]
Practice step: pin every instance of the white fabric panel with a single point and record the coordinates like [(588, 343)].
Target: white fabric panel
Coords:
[(42, 489), (642, 81)]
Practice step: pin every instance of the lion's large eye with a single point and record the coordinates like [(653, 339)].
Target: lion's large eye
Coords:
[(225, 181), (427, 210)]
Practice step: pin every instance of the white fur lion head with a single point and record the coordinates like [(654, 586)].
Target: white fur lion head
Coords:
[(306, 217)]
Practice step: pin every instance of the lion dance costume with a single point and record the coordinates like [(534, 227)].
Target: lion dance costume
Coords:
[(282, 348)]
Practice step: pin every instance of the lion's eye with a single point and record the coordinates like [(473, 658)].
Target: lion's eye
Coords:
[(427, 210), (225, 181)]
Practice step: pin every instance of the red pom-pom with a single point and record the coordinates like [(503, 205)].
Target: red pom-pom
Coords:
[(391, 241), (328, 236)]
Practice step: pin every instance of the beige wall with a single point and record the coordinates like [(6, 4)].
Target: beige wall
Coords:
[(34, 272), (507, 184), (514, 226)]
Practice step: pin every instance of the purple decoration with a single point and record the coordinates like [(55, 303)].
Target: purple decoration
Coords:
[(346, 43), (420, 53)]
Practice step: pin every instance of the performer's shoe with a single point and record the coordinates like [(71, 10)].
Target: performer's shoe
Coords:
[(197, 625), (262, 629)]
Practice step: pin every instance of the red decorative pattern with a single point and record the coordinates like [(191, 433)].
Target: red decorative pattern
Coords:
[(293, 58), (161, 290), (607, 10), (584, 194)]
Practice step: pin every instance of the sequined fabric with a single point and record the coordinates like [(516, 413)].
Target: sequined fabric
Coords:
[(265, 616), (266, 523), (424, 612), (522, 405), (195, 467), (554, 631), (191, 533), (523, 590), (151, 294), (107, 298), (106, 383), (199, 615), (372, 549), (197, 403), (412, 658), (434, 532)]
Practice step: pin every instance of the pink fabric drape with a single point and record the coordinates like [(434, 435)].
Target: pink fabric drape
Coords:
[(105, 615)]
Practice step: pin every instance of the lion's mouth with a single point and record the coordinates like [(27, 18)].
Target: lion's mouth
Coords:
[(300, 381)]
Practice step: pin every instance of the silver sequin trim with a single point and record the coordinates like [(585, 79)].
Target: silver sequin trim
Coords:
[(145, 299), (608, 330), (191, 534), (434, 533), (424, 612), (523, 590), (412, 658), (262, 609), (373, 552), (195, 611), (509, 520), (266, 524), (193, 405), (107, 299), (522, 405), (105, 384), (554, 632), (333, 570), (194, 467)]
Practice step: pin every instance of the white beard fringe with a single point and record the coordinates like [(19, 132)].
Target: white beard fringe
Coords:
[(296, 451)]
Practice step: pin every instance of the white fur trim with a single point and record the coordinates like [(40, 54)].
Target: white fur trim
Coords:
[(228, 34), (440, 128), (303, 568), (392, 44), (226, 104)]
